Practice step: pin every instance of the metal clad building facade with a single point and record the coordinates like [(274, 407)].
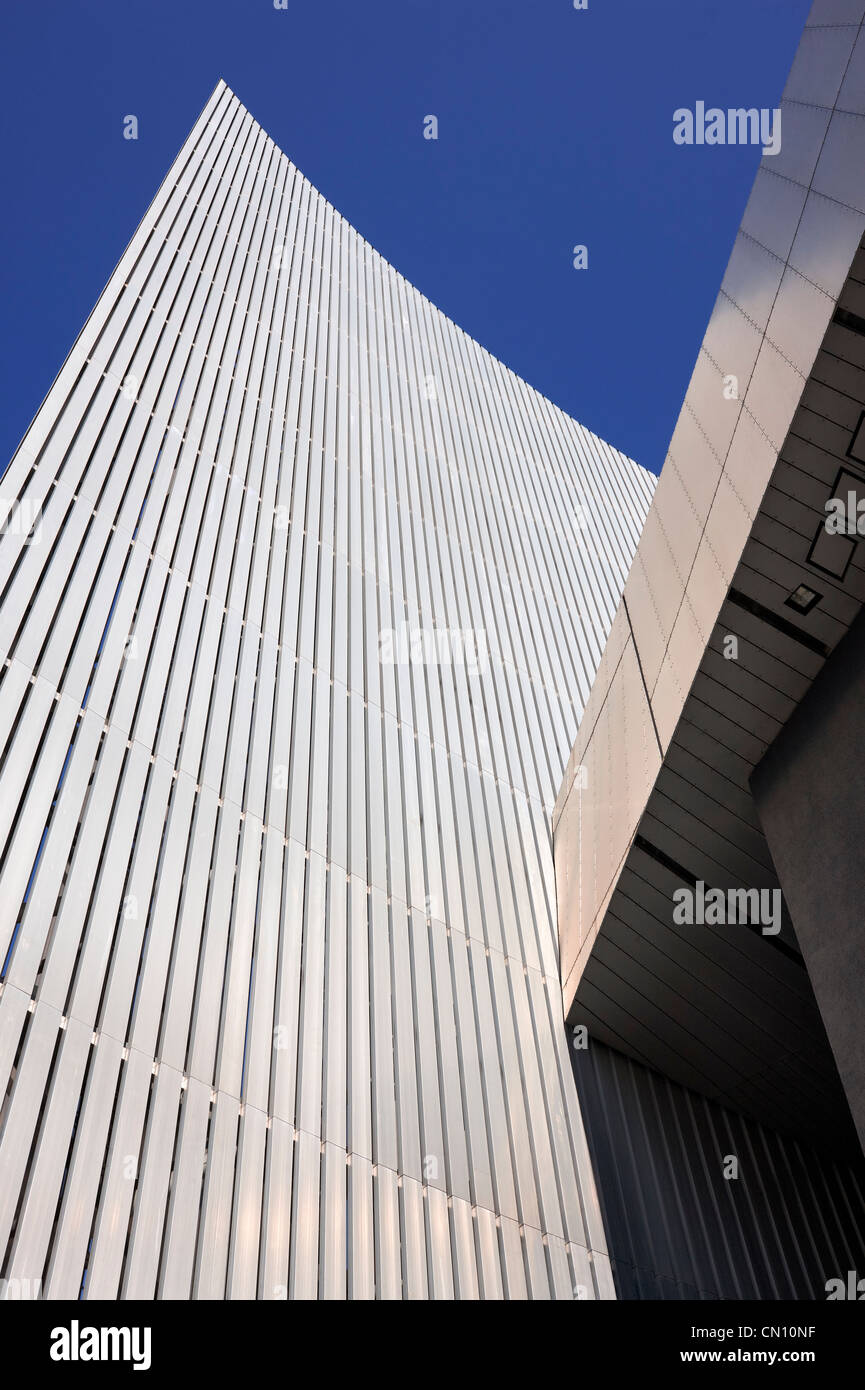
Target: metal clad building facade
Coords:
[(302, 594)]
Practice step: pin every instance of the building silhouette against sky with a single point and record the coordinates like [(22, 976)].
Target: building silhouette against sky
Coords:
[(373, 738), (303, 593)]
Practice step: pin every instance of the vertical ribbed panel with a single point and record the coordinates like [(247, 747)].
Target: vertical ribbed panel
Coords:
[(677, 1228), (285, 911)]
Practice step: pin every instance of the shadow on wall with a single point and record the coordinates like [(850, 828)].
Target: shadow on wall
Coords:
[(701, 1203)]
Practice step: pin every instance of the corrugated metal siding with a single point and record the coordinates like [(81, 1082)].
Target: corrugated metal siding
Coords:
[(677, 1228), (281, 1013)]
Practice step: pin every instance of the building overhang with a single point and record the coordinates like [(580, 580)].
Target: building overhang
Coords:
[(737, 597)]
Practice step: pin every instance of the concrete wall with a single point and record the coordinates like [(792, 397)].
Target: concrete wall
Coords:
[(810, 794), (799, 235)]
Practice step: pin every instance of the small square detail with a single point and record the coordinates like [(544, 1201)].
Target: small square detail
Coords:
[(803, 599)]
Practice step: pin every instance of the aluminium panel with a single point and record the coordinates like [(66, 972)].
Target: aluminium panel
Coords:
[(272, 873)]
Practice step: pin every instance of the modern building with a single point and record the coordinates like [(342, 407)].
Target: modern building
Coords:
[(302, 593), (429, 851), (720, 752)]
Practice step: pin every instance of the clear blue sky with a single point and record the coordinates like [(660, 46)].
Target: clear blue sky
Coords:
[(555, 128)]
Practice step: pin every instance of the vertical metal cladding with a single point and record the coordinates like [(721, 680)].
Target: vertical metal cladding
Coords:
[(280, 1013), (683, 1222)]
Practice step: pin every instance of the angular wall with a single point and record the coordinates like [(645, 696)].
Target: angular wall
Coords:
[(302, 594), (706, 1037), (809, 790), (799, 236)]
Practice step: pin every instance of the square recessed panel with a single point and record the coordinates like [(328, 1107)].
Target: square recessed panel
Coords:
[(849, 489), (830, 552), (857, 443)]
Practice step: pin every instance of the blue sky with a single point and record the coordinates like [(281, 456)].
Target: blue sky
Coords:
[(555, 128)]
